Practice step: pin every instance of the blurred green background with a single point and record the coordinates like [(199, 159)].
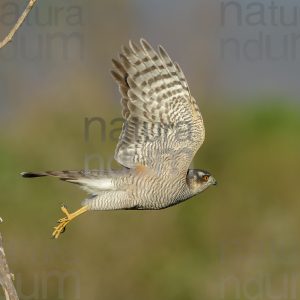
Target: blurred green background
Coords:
[(237, 241)]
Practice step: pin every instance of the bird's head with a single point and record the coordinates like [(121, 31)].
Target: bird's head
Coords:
[(199, 180)]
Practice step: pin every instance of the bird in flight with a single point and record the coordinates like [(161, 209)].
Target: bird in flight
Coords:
[(162, 131)]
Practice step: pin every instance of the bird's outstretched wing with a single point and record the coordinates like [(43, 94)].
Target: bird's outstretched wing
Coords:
[(163, 125)]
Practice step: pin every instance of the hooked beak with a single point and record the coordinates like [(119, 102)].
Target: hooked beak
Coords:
[(215, 182)]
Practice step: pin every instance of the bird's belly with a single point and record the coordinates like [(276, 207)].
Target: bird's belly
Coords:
[(158, 195)]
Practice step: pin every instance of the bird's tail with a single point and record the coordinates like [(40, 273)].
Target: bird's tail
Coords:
[(90, 180), (63, 175)]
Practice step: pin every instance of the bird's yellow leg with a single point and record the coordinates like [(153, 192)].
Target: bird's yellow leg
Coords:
[(62, 223)]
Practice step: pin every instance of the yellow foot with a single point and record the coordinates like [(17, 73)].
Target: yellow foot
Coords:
[(62, 223)]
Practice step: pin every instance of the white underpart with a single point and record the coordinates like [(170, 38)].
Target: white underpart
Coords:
[(94, 185)]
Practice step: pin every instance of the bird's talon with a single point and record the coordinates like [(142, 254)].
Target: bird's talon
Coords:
[(61, 227), (63, 222)]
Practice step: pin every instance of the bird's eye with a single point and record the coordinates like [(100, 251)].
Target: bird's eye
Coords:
[(205, 177)]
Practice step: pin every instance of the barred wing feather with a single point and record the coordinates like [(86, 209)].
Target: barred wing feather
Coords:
[(162, 119)]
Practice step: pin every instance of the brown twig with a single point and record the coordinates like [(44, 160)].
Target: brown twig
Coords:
[(20, 21), (6, 278)]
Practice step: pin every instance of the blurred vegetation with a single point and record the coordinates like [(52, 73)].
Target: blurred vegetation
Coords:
[(209, 247)]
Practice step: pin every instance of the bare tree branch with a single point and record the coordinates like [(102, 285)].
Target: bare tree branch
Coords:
[(20, 21), (6, 278)]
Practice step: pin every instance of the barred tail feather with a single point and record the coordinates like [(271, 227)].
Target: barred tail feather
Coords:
[(63, 175), (92, 181)]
